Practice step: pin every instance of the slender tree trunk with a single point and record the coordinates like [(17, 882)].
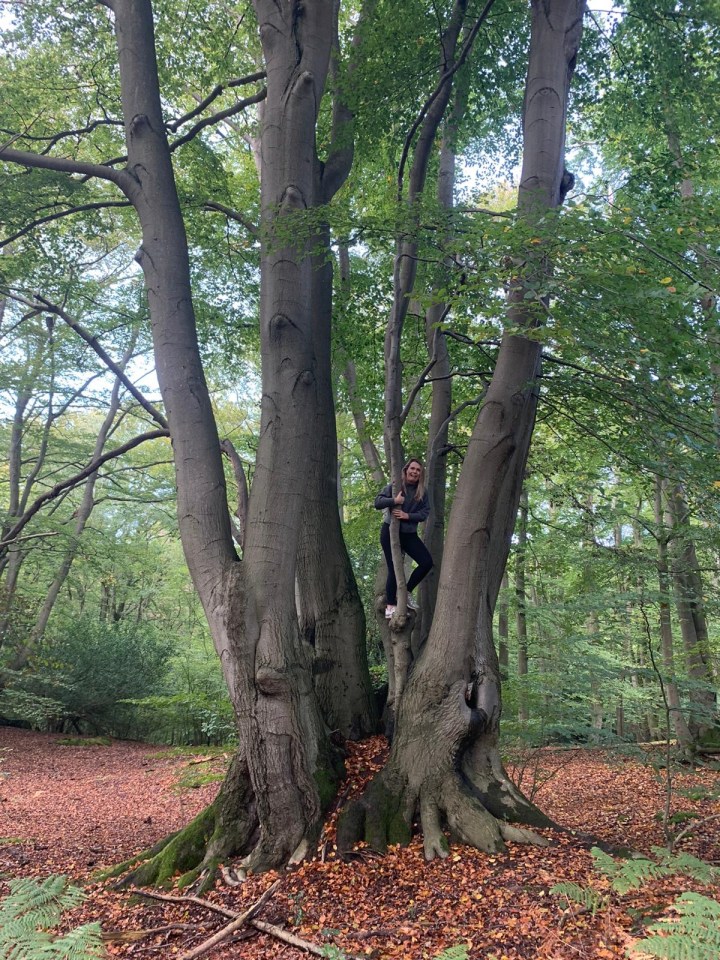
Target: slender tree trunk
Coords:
[(677, 718), (521, 609), (81, 518), (332, 619), (441, 404), (503, 619), (690, 605), (444, 759)]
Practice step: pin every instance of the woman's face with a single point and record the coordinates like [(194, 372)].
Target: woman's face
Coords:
[(413, 472)]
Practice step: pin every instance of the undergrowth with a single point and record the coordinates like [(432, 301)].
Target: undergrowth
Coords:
[(692, 932), (30, 912)]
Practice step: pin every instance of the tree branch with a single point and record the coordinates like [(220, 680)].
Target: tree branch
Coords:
[(28, 228), (94, 344), (175, 125), (25, 158), (217, 118), (73, 481), (446, 76), (230, 928), (231, 214)]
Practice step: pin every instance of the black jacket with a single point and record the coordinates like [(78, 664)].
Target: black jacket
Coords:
[(417, 510)]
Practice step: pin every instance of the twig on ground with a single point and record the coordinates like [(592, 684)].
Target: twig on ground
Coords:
[(231, 927), (238, 920)]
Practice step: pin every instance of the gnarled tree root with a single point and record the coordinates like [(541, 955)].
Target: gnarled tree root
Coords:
[(448, 806)]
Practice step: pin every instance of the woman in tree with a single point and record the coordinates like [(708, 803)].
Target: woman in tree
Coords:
[(410, 506)]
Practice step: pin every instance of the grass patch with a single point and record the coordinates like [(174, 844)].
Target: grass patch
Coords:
[(85, 741), (194, 779), (173, 753), (11, 841)]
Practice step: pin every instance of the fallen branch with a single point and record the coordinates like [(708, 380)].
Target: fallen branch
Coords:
[(238, 920), (231, 927), (130, 936), (287, 937)]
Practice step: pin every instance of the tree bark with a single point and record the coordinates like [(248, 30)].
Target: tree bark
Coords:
[(284, 759), (677, 718), (521, 609), (690, 605)]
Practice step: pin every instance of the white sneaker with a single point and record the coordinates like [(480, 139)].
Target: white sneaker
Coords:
[(412, 603), (389, 611)]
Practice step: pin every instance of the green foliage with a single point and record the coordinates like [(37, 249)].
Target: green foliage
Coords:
[(694, 934), (331, 952), (632, 873), (86, 672), (458, 952), (584, 896), (30, 911)]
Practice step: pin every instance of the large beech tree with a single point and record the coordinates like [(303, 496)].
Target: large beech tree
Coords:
[(444, 760), (285, 770)]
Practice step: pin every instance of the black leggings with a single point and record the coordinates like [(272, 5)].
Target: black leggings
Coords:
[(412, 545)]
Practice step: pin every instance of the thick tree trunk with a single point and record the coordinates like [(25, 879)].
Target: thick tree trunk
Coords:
[(332, 619), (444, 760), (250, 605)]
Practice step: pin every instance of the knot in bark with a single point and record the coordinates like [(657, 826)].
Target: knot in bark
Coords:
[(271, 682), (292, 199), (139, 121), (306, 378)]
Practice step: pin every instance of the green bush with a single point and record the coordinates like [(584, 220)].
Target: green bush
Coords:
[(81, 677)]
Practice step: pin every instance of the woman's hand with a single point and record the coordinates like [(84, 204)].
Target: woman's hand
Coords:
[(400, 514), (399, 497)]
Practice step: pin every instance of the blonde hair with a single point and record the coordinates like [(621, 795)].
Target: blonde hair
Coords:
[(420, 492)]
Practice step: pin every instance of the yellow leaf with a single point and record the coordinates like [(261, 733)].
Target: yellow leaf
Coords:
[(681, 229), (666, 280)]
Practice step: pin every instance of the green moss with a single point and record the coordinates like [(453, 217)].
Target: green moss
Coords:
[(182, 853), (385, 821), (398, 830), (326, 781)]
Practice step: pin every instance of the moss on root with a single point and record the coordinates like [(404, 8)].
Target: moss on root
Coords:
[(380, 818), (183, 853)]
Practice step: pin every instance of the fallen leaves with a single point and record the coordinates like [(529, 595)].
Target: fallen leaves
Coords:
[(65, 809)]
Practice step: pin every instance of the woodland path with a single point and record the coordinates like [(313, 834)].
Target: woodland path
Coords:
[(76, 809)]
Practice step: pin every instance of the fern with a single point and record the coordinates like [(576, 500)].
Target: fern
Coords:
[(584, 896), (458, 952), (688, 865), (694, 935), (31, 910)]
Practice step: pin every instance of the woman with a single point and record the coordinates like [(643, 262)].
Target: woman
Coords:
[(411, 507)]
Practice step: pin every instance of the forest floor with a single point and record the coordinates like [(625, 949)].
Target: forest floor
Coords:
[(74, 809)]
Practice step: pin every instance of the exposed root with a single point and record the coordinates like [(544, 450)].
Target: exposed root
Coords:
[(519, 835), (448, 805)]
